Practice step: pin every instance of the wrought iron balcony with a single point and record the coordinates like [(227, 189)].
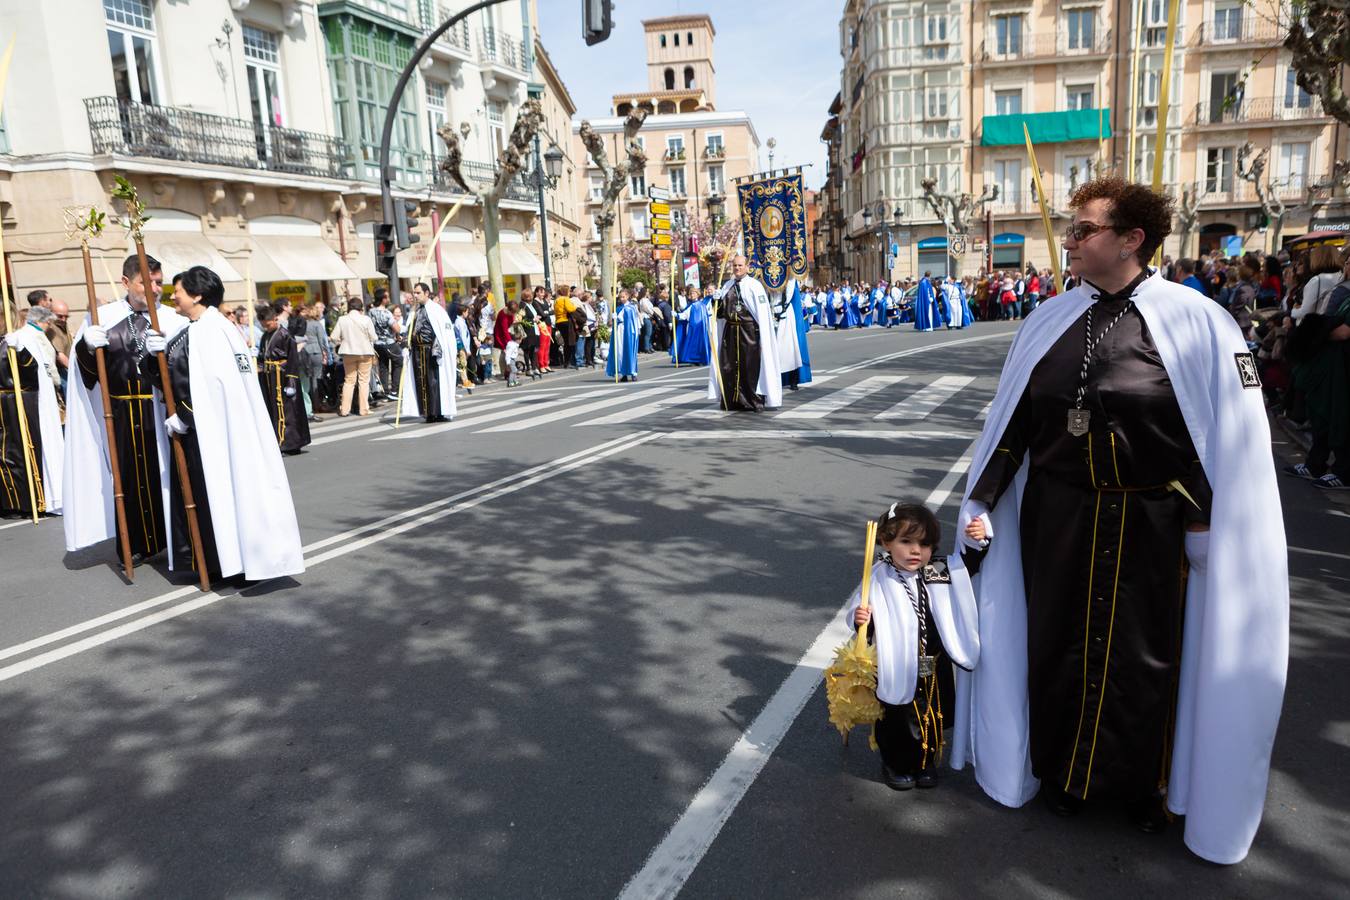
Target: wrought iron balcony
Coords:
[(458, 36), (165, 132), (479, 173), (1047, 46), (1224, 35), (1254, 110), (498, 48)]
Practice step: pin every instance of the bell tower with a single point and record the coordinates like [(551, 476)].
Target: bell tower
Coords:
[(680, 56)]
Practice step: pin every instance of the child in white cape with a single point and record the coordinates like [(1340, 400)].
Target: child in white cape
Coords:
[(923, 621)]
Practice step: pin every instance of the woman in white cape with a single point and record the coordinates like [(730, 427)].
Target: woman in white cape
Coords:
[(244, 507), (1130, 428)]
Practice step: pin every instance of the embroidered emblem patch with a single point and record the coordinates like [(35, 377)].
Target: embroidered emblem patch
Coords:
[(936, 573), (1247, 373), (244, 363)]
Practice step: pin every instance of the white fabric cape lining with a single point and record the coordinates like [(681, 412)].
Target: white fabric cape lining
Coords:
[(49, 419), (1234, 654), (770, 376), (446, 365), (88, 508), (248, 493)]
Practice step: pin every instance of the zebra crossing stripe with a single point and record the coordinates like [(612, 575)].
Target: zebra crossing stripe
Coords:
[(572, 411), (637, 412), (473, 421), (837, 400), (921, 404)]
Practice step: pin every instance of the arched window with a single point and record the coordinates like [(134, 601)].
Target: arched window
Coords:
[(670, 79), (677, 39), (689, 39), (663, 40), (688, 77)]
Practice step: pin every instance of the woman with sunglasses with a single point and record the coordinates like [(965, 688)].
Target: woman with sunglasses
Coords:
[(1126, 657)]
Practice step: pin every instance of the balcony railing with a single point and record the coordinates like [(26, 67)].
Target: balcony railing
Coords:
[(498, 48), (166, 132), (715, 153), (1252, 110), (1223, 35), (520, 187), (1045, 46), (673, 155), (457, 36)]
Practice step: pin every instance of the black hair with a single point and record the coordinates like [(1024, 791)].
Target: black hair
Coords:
[(203, 284), (131, 266), (908, 519), (264, 312), (424, 286), (36, 297), (380, 295)]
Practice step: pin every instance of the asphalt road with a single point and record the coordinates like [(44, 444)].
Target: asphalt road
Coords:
[(570, 643)]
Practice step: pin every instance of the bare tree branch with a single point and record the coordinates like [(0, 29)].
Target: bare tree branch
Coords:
[(1319, 44), (957, 212)]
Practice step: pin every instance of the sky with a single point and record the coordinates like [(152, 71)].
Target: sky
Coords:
[(777, 61)]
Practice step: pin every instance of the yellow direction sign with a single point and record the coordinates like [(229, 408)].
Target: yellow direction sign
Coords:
[(660, 224), (660, 209), (661, 240)]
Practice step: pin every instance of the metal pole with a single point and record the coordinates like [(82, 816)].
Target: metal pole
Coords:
[(543, 215), (391, 114)]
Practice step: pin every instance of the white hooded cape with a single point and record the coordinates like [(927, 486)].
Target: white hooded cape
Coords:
[(249, 495), (88, 512), (770, 374), (445, 338), (896, 627), (1236, 632), (49, 418), (786, 339)]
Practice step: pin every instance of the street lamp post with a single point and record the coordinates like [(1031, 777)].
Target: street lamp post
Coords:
[(546, 175)]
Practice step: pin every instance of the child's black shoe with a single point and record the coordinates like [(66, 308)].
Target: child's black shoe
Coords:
[(927, 778), (896, 781)]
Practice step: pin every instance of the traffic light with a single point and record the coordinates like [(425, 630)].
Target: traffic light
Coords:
[(597, 20), (405, 223), (385, 251)]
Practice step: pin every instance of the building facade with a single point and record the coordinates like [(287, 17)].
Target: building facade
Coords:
[(693, 149), (251, 128), (942, 91)]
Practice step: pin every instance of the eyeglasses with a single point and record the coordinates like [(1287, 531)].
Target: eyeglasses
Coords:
[(63, 318), (1081, 231)]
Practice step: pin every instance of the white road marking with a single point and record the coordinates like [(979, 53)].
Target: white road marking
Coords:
[(19, 524), (571, 412), (350, 541), (923, 349), (837, 400), (513, 409), (706, 412), (920, 405), (740, 434), (1327, 553), (637, 412), (679, 853)]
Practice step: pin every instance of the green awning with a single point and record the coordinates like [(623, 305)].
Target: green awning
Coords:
[(1046, 128)]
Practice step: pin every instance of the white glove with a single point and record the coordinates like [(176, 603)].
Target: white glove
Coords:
[(176, 425), (95, 336), (155, 342), (1197, 550), (436, 351), (973, 510), (289, 392)]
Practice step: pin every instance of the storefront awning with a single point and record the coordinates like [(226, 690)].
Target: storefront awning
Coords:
[(519, 261), (1046, 127), (465, 260), (178, 251), (296, 258)]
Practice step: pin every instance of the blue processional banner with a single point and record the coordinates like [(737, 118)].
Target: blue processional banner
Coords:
[(773, 223)]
